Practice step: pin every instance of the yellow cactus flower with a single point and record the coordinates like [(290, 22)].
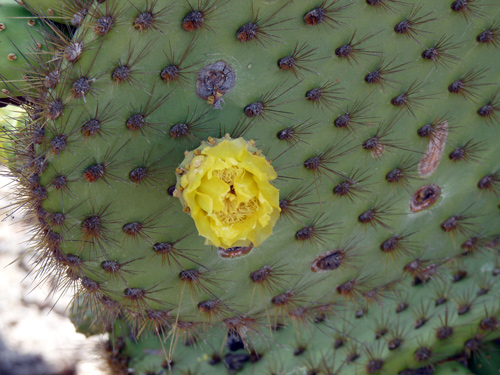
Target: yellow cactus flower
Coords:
[(225, 186)]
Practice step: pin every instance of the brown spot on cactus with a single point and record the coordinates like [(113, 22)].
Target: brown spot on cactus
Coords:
[(409, 100), (151, 18), (424, 197), (422, 354), (261, 30), (170, 254), (247, 32), (468, 84), (54, 109), (422, 316), (94, 172), (95, 231), (403, 173), (379, 75), (266, 107), (290, 208), (439, 53), (194, 20), (192, 124), (213, 81), (175, 71), (444, 332), (325, 14), (52, 79), (73, 52), (377, 215), (394, 343), (334, 259), (233, 252), (295, 62), (471, 246), (325, 96), (200, 16), (288, 301), (351, 289), (212, 309), (58, 144), (38, 135), (490, 183), (397, 245), (354, 115), (117, 270), (91, 128), (320, 164), (378, 143), (411, 25), (352, 187), (353, 354), (441, 298), (490, 36), (91, 226), (387, 5), (468, 152), (353, 51), (60, 182), (293, 134), (472, 345), (125, 70), (299, 350), (103, 25), (199, 280), (316, 232), (57, 219), (242, 326), (489, 111), (374, 365), (401, 306), (139, 119), (467, 8), (459, 275)]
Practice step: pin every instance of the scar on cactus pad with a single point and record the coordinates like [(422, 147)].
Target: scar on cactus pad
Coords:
[(369, 246)]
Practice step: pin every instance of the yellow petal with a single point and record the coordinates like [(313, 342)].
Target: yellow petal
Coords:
[(245, 187), (216, 190), (205, 202)]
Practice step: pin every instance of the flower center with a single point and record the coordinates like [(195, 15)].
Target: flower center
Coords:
[(233, 211)]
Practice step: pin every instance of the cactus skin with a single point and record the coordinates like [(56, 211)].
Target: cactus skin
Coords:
[(487, 360), (19, 42), (159, 298), (453, 368)]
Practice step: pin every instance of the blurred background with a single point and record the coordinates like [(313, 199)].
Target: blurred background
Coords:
[(36, 337)]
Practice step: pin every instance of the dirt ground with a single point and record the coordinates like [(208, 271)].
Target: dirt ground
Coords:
[(36, 337)]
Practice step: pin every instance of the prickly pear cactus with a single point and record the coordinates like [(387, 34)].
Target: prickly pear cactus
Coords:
[(269, 187)]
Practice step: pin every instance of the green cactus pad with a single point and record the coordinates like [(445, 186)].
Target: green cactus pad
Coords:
[(382, 121), (453, 368), (487, 359), (20, 42)]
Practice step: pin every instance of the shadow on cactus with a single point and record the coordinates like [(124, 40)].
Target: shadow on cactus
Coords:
[(264, 187)]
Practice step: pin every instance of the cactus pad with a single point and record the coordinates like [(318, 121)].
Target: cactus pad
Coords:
[(270, 187)]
